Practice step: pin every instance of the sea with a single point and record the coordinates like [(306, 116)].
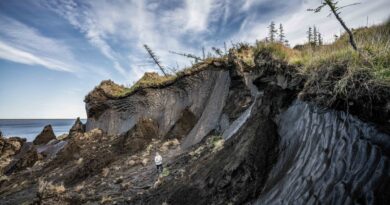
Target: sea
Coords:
[(30, 128)]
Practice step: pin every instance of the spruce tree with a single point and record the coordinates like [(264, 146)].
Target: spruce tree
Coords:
[(272, 32), (310, 35), (281, 34), (320, 40), (315, 36), (155, 59)]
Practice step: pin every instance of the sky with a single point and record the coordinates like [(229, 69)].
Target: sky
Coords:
[(53, 52)]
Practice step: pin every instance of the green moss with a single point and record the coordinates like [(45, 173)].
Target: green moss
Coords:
[(165, 172)]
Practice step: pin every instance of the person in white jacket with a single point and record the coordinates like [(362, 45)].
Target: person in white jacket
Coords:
[(158, 161)]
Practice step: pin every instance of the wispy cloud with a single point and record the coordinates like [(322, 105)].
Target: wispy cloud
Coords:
[(118, 29), (95, 24), (23, 44)]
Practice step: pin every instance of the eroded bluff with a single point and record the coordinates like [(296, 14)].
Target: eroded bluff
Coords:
[(192, 106), (228, 134)]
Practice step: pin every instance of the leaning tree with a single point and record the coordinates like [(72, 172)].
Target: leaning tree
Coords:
[(336, 12)]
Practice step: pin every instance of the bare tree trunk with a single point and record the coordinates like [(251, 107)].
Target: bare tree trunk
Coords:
[(155, 59), (351, 37)]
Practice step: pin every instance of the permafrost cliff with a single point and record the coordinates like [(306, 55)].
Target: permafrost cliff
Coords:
[(227, 133)]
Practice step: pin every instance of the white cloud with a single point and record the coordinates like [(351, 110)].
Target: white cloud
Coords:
[(22, 44), (26, 45), (19, 56), (119, 29), (94, 28), (132, 24), (197, 13)]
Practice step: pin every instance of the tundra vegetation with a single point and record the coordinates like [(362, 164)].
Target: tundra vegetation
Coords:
[(335, 68)]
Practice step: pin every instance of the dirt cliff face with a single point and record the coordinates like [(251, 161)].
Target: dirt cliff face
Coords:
[(198, 100), (228, 134)]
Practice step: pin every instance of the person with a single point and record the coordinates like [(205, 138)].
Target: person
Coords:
[(158, 161)]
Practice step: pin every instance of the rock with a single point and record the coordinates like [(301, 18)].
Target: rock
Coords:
[(70, 152), (92, 134), (45, 136), (118, 180), (78, 127), (1, 134), (145, 162), (8, 149), (26, 157), (16, 154), (63, 137)]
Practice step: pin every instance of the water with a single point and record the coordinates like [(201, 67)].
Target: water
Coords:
[(29, 129)]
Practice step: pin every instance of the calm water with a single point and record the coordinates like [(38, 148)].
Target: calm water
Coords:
[(31, 128)]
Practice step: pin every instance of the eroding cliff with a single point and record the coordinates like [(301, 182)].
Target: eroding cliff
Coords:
[(202, 97), (229, 132)]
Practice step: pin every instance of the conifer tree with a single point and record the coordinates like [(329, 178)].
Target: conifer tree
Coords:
[(310, 35), (188, 55), (320, 40), (315, 36), (281, 34), (155, 59), (272, 32)]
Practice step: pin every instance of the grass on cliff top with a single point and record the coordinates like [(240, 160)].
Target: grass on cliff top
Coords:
[(154, 80), (337, 66), (374, 43), (336, 70)]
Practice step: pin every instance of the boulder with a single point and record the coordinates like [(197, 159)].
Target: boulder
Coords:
[(45, 136), (10, 146), (78, 127)]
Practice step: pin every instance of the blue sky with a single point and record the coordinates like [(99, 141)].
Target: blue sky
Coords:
[(53, 52)]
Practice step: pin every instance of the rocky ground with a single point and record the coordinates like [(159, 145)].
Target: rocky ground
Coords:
[(93, 168)]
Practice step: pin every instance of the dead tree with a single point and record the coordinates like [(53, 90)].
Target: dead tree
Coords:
[(188, 55), (217, 51), (336, 12), (156, 60)]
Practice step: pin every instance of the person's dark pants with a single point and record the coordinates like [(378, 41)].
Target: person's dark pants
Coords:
[(159, 168)]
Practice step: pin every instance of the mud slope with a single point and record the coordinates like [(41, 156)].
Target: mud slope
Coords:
[(328, 157)]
